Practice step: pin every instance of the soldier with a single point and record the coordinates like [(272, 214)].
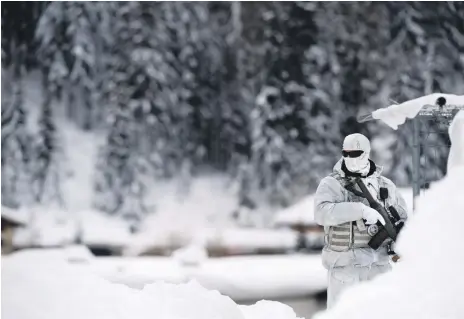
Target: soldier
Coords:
[(349, 222)]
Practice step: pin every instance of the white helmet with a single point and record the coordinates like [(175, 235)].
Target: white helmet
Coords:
[(356, 151)]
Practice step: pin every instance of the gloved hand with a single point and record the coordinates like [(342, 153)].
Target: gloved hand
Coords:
[(371, 215)]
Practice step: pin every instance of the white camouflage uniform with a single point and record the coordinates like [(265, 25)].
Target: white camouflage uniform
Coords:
[(335, 208)]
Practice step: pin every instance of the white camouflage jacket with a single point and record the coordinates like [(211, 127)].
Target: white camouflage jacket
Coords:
[(335, 205)]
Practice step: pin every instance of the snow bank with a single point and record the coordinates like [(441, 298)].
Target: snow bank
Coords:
[(46, 227), (241, 277), (36, 286), (138, 272), (97, 228), (428, 282), (257, 277), (396, 114)]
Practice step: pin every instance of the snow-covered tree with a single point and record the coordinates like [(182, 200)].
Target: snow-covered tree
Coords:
[(424, 56), (16, 148)]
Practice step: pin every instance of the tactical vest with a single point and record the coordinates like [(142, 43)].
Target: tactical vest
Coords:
[(349, 235)]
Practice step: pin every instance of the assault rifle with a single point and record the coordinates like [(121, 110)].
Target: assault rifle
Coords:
[(392, 219)]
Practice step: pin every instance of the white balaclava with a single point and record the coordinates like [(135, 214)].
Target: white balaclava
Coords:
[(357, 142), (456, 134)]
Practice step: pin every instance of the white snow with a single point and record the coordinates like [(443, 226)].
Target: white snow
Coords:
[(80, 149), (193, 254), (299, 213), (240, 277), (268, 277), (136, 272), (428, 282), (396, 114), (97, 228), (180, 217), (46, 227), (232, 239), (18, 216), (250, 239), (53, 227), (42, 285)]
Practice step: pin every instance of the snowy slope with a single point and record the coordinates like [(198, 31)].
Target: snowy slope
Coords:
[(428, 282), (43, 286)]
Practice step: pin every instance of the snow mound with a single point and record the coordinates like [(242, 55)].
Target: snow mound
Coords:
[(396, 114), (265, 309), (191, 255), (46, 227), (98, 228), (428, 282), (42, 285)]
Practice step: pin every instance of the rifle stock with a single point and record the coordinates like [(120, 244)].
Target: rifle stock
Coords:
[(389, 227)]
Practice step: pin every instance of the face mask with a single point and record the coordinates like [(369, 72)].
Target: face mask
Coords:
[(358, 164)]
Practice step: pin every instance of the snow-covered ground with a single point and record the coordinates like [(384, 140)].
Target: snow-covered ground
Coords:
[(45, 227), (241, 278), (44, 284)]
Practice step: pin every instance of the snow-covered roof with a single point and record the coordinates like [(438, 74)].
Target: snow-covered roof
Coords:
[(16, 216), (299, 213), (396, 114)]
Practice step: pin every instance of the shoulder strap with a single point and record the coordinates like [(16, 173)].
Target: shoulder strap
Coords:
[(348, 185)]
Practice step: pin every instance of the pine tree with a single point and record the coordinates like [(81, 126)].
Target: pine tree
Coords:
[(286, 142), (47, 153), (53, 53), (82, 19), (137, 147), (16, 149), (54, 49)]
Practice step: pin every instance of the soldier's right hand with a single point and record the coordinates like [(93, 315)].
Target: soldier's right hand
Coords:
[(372, 216)]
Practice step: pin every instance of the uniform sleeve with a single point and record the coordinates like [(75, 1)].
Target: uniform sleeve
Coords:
[(399, 201), (330, 208), (401, 206)]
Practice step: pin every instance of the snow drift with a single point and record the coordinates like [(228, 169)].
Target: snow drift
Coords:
[(428, 282), (42, 285)]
